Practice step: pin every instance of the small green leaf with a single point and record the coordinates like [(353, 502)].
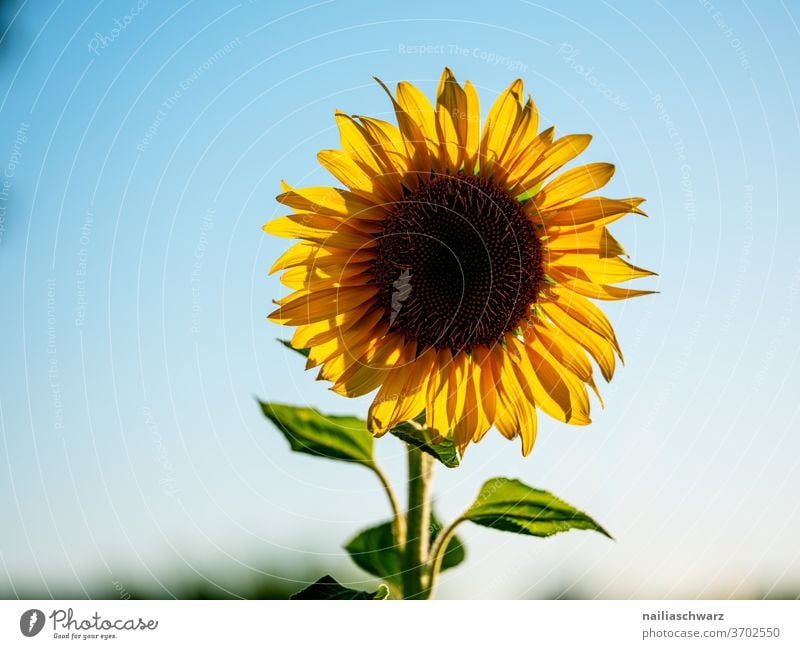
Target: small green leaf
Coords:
[(304, 351), (331, 436), (328, 588), (512, 506), (374, 551), (444, 451)]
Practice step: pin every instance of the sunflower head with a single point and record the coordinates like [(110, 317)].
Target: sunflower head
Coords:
[(455, 269)]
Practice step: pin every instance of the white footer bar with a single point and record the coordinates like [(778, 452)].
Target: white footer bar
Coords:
[(389, 624)]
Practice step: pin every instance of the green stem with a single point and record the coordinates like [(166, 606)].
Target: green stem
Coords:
[(415, 558), (398, 519), (438, 551)]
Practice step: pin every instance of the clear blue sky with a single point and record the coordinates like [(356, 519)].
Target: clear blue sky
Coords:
[(139, 160)]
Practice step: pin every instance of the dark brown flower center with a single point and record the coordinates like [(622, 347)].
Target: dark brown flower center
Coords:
[(458, 263)]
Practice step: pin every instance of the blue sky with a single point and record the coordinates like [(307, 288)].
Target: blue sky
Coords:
[(140, 159)]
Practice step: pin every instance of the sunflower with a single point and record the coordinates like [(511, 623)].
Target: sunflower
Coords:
[(451, 273)]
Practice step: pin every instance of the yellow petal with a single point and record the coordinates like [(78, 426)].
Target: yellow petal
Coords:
[(467, 415), (342, 223), (559, 394), (561, 347), (346, 325), (587, 314), (297, 255), (595, 210), (475, 372), (355, 176), (565, 352), (304, 333), (600, 349), (321, 305), (371, 370), (389, 139), (324, 330), (358, 142), (451, 121), (320, 229), (528, 426), (599, 270), (503, 373), (436, 414), (391, 392), (525, 133), (332, 201), (485, 381), (554, 157), (354, 344), (574, 183), (354, 141), (499, 125), (411, 400), (417, 107), (533, 150), (416, 146), (516, 414), (307, 275), (596, 240), (348, 344), (315, 279), (308, 253), (339, 352), (589, 289), (473, 128)]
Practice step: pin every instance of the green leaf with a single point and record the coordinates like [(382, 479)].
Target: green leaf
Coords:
[(304, 351), (328, 588), (512, 506), (331, 436), (444, 451), (374, 551)]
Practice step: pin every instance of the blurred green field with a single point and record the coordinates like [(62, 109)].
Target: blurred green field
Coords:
[(260, 587)]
